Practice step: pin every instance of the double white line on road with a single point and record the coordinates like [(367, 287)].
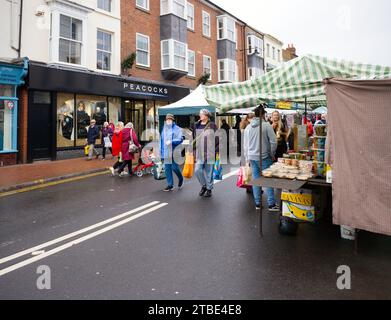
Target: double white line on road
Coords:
[(146, 209)]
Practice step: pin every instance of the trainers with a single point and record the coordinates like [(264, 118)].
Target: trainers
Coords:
[(203, 191), (122, 174), (274, 208), (112, 171), (180, 185), (169, 189), (258, 207), (208, 194)]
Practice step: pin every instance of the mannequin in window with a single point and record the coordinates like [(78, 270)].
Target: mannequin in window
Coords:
[(99, 116), (83, 121), (67, 126)]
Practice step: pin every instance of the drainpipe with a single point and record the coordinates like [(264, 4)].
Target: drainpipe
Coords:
[(245, 51), (18, 49), (20, 28)]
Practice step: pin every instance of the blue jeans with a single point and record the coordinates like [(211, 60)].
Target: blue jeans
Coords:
[(204, 174), (169, 169), (255, 166)]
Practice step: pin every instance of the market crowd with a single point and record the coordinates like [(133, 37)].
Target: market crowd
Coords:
[(206, 150)]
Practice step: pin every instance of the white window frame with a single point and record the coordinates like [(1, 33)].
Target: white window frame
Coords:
[(204, 15), (148, 51), (171, 54), (110, 52), (229, 67), (256, 73), (253, 43), (210, 65), (191, 27), (54, 39), (226, 20), (193, 63), (146, 7), (169, 9), (111, 6)]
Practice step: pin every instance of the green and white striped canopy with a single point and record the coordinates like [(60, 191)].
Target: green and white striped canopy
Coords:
[(295, 81)]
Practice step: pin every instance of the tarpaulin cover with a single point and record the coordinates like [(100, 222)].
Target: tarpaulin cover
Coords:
[(359, 124)]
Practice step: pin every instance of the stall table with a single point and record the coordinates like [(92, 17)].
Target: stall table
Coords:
[(286, 184)]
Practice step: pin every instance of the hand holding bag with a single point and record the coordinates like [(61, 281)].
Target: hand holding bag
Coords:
[(240, 181), (248, 174), (132, 147), (218, 170), (87, 150), (107, 142)]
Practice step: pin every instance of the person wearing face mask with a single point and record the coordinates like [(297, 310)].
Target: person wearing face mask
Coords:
[(171, 138)]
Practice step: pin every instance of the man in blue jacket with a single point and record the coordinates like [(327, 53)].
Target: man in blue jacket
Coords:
[(92, 135), (171, 138)]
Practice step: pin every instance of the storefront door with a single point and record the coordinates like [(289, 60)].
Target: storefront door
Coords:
[(40, 126), (134, 112)]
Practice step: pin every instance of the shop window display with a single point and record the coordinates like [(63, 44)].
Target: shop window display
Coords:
[(88, 108), (150, 121), (65, 120), (114, 110)]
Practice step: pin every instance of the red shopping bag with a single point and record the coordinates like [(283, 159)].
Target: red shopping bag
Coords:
[(240, 181)]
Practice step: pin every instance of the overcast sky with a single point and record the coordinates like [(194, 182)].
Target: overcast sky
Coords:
[(358, 30)]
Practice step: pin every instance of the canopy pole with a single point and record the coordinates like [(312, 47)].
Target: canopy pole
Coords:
[(305, 107), (260, 164)]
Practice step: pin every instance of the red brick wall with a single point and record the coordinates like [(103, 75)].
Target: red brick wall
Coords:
[(148, 23), (8, 159)]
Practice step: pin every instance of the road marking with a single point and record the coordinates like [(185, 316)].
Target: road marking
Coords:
[(80, 240), (51, 184), (76, 233)]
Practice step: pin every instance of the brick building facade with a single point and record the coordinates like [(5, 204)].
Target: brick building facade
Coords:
[(149, 22)]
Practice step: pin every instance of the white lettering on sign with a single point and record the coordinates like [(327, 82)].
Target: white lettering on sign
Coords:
[(145, 88)]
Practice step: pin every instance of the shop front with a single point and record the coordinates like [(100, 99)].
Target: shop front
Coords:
[(62, 103), (11, 77)]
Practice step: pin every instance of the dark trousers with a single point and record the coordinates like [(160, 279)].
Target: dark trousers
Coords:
[(122, 165), (104, 152)]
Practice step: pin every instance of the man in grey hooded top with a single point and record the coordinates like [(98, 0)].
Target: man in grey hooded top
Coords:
[(252, 153)]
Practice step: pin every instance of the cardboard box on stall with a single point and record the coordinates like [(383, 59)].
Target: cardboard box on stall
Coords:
[(302, 205)]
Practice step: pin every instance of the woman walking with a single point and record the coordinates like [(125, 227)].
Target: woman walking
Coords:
[(107, 138), (129, 138), (123, 138)]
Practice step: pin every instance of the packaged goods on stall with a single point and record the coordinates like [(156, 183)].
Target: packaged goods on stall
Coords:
[(319, 142), (329, 174), (319, 155), (290, 169), (319, 169)]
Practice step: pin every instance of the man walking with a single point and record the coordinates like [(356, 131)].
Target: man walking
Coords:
[(206, 147), (252, 153), (171, 138), (92, 135)]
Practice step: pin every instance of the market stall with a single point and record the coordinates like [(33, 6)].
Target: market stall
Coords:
[(301, 80)]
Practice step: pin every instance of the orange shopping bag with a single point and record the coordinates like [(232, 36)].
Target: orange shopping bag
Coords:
[(188, 169)]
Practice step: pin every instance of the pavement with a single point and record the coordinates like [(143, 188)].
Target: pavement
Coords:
[(28, 175), (112, 238)]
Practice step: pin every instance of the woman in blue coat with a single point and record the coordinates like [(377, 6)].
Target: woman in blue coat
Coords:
[(171, 138)]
